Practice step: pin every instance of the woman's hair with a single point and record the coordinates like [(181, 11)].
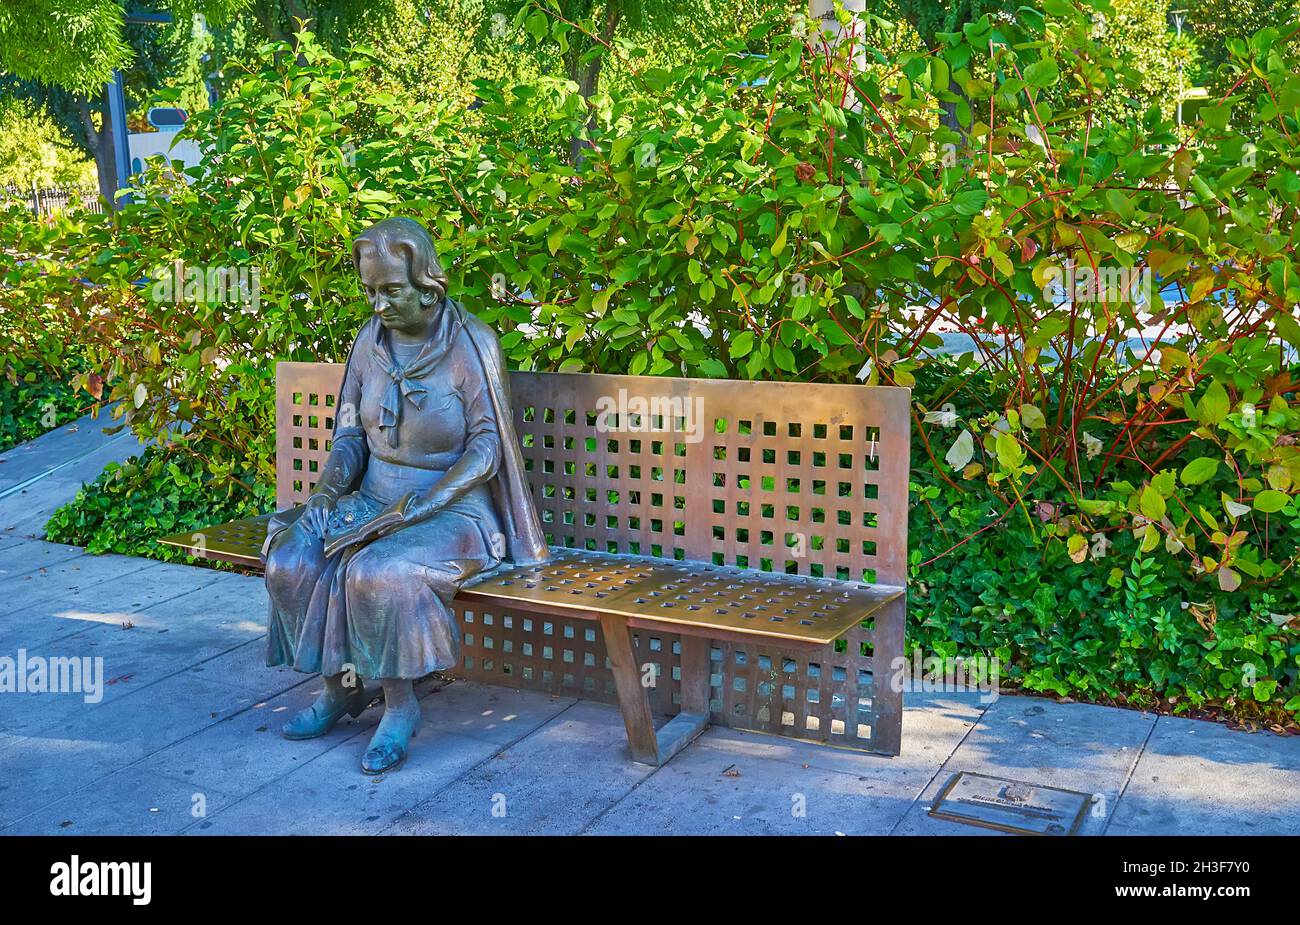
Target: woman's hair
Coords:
[(408, 239)]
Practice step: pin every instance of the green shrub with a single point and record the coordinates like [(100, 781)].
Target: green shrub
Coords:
[(131, 504), (30, 408), (790, 217), (1118, 625)]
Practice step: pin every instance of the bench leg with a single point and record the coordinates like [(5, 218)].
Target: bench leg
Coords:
[(633, 697), (683, 728), (647, 746)]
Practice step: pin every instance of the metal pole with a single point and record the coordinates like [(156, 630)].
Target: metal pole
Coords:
[(121, 144)]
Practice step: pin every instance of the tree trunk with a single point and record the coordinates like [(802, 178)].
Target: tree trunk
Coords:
[(100, 143), (589, 78)]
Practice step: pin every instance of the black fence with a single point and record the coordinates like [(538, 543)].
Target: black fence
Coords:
[(52, 199)]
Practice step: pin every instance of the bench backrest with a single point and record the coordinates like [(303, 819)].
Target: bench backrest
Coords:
[(801, 478)]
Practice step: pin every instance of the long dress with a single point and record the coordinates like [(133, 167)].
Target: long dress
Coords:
[(383, 610)]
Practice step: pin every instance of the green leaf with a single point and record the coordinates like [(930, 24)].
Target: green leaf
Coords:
[(1213, 407), (1032, 418), (1199, 470), (1042, 73), (1010, 453), (778, 245), (1287, 328), (741, 344), (1151, 504), (1131, 241), (969, 202), (1270, 501), (538, 25)]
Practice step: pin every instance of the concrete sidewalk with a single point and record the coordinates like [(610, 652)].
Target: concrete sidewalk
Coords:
[(186, 739), (40, 476)]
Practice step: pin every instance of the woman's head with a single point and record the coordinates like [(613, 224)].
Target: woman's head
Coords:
[(400, 273)]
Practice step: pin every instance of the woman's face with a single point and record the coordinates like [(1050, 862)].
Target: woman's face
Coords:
[(388, 288)]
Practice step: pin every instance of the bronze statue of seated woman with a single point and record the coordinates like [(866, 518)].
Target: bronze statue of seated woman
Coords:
[(424, 489)]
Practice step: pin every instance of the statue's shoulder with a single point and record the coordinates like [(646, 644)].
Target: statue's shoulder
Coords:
[(482, 333), (478, 326)]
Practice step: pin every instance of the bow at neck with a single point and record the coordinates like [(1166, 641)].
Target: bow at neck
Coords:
[(404, 379)]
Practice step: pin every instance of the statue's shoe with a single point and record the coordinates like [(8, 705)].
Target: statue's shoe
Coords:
[(388, 746), (314, 722)]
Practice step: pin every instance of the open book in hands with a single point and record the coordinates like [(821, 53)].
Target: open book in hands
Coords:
[(363, 532)]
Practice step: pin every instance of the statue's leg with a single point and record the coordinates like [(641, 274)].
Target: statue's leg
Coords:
[(401, 624), (295, 563), (343, 693), (400, 724)]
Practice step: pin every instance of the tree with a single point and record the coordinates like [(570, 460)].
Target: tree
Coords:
[(73, 44), (60, 54), (34, 152), (1213, 23), (588, 31)]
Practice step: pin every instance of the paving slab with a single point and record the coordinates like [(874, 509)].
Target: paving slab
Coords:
[(557, 781), (732, 782), (137, 599), (70, 580), (40, 476), (130, 802), (329, 795), (493, 714), (107, 737), (1073, 746), (288, 785), (23, 556), (246, 752), (65, 442), (1200, 778), (179, 633)]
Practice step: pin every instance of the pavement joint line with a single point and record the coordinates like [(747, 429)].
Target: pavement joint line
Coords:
[(147, 756), (144, 687), (348, 738), (77, 554), (474, 767), (699, 741), (633, 789), (1132, 770), (935, 776), (139, 610), (240, 798), (168, 777), (146, 565), (27, 483)]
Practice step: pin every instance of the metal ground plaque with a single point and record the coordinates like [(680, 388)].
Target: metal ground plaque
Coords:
[(1010, 806)]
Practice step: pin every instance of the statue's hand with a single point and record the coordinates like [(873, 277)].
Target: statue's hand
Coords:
[(421, 508), (316, 513)]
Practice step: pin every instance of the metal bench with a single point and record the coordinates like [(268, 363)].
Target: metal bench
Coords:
[(742, 546)]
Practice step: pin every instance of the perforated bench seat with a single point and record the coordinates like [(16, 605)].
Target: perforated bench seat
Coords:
[(713, 600), (238, 542), (775, 515)]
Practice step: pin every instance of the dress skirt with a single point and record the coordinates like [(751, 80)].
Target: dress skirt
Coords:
[(382, 610)]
